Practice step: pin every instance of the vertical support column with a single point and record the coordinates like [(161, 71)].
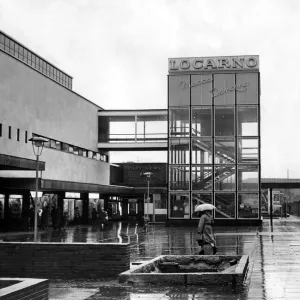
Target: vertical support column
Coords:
[(135, 128), (25, 211), (85, 208), (7, 216), (125, 209), (271, 204)]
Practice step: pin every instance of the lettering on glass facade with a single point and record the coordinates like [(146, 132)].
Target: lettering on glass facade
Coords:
[(213, 63)]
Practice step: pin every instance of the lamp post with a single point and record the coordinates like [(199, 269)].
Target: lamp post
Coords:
[(148, 176), (37, 146)]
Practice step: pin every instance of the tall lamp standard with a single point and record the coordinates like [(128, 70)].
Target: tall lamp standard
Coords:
[(37, 146), (148, 176)]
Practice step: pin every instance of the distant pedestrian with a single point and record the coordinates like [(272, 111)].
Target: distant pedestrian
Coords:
[(59, 219), (53, 217), (94, 216), (31, 218), (205, 232), (66, 218), (77, 217), (45, 218), (103, 217)]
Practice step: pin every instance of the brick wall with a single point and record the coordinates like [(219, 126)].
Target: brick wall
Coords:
[(33, 289), (59, 260)]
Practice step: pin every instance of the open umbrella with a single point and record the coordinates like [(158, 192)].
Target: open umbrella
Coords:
[(205, 206)]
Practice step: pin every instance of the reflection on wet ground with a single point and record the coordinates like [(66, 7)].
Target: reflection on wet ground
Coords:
[(274, 269)]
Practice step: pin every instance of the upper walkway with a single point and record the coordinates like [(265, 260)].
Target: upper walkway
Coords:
[(121, 130)]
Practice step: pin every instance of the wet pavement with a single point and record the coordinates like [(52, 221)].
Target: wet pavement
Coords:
[(273, 248)]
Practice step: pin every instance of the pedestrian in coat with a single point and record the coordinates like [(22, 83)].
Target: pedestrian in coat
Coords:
[(45, 218), (205, 230)]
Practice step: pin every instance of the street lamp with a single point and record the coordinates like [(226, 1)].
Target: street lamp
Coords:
[(37, 146), (148, 176)]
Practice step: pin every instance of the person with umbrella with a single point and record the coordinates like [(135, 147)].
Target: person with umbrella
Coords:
[(205, 231)]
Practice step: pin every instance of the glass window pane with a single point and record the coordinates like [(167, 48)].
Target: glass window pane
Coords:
[(248, 178), (247, 150), (225, 205), (179, 151), (179, 90), (224, 178), (58, 145), (179, 178), (224, 121), (80, 151), (90, 154), (247, 117), (47, 144), (53, 144), (76, 151), (249, 95), (224, 151), (201, 121), (224, 89), (84, 153), (248, 205), (179, 122), (202, 178), (200, 198), (179, 205), (11, 47), (201, 87), (1, 41), (65, 147), (71, 148), (201, 151)]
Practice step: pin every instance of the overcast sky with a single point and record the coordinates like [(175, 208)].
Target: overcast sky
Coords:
[(117, 53)]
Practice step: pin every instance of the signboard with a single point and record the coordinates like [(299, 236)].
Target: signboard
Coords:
[(72, 195), (94, 196), (222, 63)]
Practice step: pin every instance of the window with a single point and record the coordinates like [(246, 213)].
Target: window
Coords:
[(76, 151), (9, 132), (25, 55), (90, 154), (65, 147), (84, 153), (18, 134), (11, 47), (80, 151), (6, 44), (94, 155), (21, 52), (71, 149), (58, 145), (1, 41)]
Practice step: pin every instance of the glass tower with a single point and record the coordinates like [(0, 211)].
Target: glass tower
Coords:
[(214, 137)]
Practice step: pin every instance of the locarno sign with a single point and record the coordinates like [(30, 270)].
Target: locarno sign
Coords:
[(213, 63)]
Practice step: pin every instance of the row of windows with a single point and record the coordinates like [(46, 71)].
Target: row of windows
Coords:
[(34, 61), (10, 133), (61, 146)]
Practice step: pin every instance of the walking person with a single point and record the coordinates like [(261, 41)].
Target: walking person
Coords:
[(205, 230), (103, 217), (77, 217), (45, 218), (94, 216), (53, 217)]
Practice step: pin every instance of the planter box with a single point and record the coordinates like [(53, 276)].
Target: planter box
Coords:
[(213, 270)]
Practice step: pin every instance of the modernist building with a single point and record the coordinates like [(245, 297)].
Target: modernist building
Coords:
[(214, 136), (213, 142)]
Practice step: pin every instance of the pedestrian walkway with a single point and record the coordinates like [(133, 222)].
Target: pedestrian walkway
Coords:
[(273, 248)]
